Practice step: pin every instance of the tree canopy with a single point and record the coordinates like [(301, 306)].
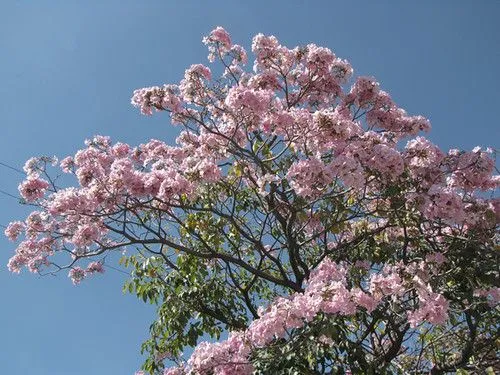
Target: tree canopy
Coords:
[(300, 225)]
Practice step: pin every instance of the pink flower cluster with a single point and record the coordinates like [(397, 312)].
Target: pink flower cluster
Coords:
[(309, 177), (424, 160), (472, 170), (250, 101), (107, 175), (384, 114), (77, 274), (217, 40), (443, 203), (33, 188), (14, 229), (433, 309), (326, 292), (158, 98), (32, 253), (492, 295), (192, 87)]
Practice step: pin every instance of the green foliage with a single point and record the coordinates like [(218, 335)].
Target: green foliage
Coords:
[(193, 302)]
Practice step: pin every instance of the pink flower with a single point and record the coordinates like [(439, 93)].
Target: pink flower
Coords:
[(445, 203), (33, 188), (31, 167), (252, 102), (86, 234), (386, 160), (174, 371), (240, 54), (67, 164), (265, 48), (437, 258), (14, 229), (76, 274), (319, 59), (95, 267), (433, 308), (365, 300), (471, 170), (309, 178), (220, 35), (363, 92), (387, 283), (157, 98), (491, 294), (198, 70)]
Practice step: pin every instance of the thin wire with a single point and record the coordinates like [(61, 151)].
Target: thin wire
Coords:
[(9, 195), (116, 269), (13, 168), (18, 170)]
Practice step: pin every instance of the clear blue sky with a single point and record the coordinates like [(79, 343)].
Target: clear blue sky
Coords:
[(67, 71)]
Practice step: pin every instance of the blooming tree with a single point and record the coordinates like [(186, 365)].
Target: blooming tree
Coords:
[(300, 212)]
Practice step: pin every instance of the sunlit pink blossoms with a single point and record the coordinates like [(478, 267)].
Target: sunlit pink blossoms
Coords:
[(326, 292), (76, 275), (291, 186), (33, 188), (14, 229)]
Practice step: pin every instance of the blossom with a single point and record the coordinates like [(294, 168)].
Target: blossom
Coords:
[(198, 70), (309, 177), (386, 160), (174, 371), (86, 234), (76, 274), (94, 267), (387, 283), (265, 48), (433, 307), (492, 295), (239, 53), (66, 164), (326, 292), (33, 188), (219, 35), (472, 170), (217, 39), (363, 92), (157, 98), (14, 229), (283, 170), (251, 101), (445, 203)]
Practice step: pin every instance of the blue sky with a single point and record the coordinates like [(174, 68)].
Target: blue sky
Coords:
[(67, 71)]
